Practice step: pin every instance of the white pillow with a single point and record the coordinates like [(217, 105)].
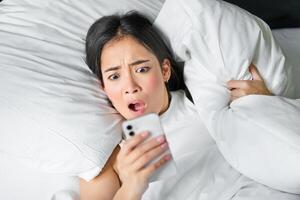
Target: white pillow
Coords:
[(289, 41), (54, 116), (218, 41)]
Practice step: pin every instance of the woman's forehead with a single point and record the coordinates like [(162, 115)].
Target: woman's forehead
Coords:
[(128, 43), (126, 49)]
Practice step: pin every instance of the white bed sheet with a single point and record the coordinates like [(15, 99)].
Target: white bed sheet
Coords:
[(20, 182)]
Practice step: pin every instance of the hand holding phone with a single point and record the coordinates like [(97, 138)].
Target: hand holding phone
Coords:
[(150, 123)]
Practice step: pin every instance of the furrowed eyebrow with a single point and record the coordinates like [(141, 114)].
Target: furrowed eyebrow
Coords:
[(138, 62), (131, 64), (112, 69)]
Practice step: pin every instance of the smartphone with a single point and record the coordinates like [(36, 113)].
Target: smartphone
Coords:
[(151, 123)]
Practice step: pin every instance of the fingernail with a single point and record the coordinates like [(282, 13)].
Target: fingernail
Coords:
[(164, 145), (168, 157), (160, 139), (145, 134)]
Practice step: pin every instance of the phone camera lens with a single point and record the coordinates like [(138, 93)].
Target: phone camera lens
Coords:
[(131, 133), (129, 127)]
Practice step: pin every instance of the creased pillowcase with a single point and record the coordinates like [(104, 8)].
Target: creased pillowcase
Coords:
[(218, 41), (54, 115)]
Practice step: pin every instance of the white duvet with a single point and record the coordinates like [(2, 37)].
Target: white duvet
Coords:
[(258, 135), (203, 173)]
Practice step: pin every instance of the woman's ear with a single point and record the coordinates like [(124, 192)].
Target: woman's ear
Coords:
[(166, 69)]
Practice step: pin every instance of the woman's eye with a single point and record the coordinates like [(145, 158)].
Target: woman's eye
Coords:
[(142, 69), (113, 77)]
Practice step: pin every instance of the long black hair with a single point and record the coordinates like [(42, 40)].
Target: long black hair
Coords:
[(139, 27)]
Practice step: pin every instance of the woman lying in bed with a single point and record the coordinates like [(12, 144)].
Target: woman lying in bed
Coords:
[(134, 66)]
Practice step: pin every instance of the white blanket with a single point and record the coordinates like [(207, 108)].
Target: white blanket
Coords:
[(203, 173), (258, 135)]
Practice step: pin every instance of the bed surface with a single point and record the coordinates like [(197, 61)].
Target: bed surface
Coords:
[(20, 182)]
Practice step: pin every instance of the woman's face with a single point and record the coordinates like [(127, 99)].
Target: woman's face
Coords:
[(133, 78)]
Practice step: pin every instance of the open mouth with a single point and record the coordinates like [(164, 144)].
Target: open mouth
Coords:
[(137, 106)]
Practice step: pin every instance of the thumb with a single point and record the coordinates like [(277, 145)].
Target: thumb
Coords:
[(254, 72)]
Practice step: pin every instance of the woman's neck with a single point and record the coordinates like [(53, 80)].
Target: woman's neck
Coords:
[(166, 102)]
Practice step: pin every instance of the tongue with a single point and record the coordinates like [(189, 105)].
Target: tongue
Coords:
[(137, 106)]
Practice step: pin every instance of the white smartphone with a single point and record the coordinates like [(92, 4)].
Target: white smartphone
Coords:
[(151, 123)]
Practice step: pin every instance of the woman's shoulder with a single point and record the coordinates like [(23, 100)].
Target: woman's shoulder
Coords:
[(113, 158), (111, 164), (106, 184)]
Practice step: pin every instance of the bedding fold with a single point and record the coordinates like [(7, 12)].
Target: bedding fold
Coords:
[(218, 41)]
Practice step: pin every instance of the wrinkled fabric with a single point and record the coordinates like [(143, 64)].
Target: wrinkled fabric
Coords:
[(54, 115), (203, 173), (218, 41)]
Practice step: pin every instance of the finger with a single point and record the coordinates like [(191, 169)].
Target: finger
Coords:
[(237, 93), (255, 73), (145, 147), (149, 170), (133, 142), (232, 98), (237, 84), (149, 156)]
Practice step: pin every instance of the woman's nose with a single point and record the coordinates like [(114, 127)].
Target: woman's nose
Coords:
[(131, 86), (131, 90)]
